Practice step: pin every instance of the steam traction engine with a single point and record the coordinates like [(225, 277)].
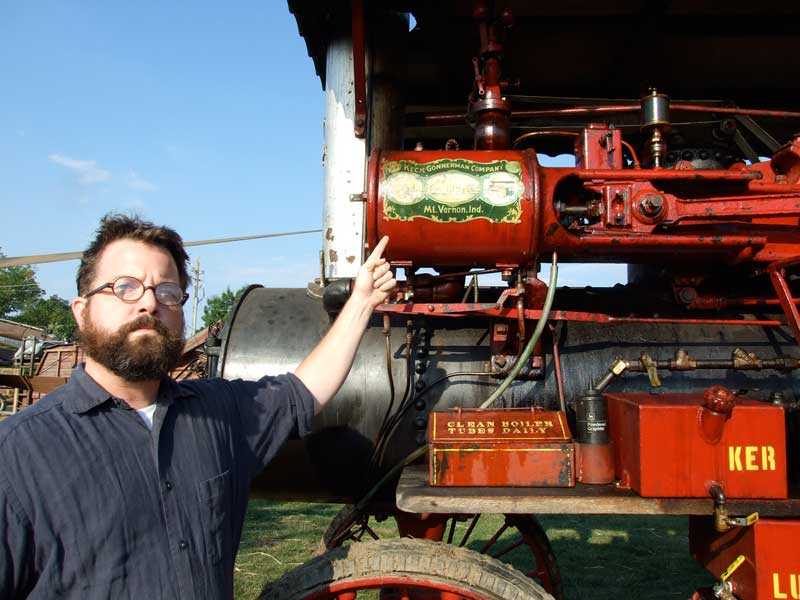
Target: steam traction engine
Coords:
[(675, 393)]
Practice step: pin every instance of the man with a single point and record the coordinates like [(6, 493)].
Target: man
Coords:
[(126, 484)]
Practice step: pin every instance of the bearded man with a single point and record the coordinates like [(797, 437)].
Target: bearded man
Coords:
[(126, 484)]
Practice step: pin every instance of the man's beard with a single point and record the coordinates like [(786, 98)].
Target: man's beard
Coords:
[(146, 358)]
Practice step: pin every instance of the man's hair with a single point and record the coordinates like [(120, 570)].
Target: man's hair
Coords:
[(115, 227)]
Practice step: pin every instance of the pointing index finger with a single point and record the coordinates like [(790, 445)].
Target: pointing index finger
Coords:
[(378, 251)]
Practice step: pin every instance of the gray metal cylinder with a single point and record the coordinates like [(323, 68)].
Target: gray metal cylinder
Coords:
[(272, 330), (655, 110)]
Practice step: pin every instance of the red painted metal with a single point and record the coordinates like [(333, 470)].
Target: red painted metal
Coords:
[(489, 108), (594, 463), (460, 309), (433, 238), (787, 302), (359, 69), (599, 147), (770, 549), (429, 202), (717, 409), (513, 447), (416, 588), (425, 526), (661, 451)]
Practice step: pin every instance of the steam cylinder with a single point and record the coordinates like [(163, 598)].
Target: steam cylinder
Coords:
[(430, 202), (270, 331)]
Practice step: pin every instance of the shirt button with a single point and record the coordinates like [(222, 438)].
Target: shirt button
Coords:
[(183, 545), (168, 485)]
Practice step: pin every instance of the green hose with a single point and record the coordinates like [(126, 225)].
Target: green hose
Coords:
[(537, 333), (523, 358)]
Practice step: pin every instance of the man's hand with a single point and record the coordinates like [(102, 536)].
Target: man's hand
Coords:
[(374, 280), (325, 369)]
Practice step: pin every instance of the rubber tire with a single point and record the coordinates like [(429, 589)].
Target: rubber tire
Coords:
[(430, 561), (526, 525)]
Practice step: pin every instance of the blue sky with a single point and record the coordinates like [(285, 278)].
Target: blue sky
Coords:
[(205, 118), (202, 116)]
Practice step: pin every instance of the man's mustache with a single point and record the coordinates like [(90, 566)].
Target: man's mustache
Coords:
[(144, 322)]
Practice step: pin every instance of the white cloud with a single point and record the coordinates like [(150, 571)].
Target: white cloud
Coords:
[(87, 170), (137, 182)]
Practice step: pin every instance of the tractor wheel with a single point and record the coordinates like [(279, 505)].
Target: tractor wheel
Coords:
[(522, 532), (403, 569)]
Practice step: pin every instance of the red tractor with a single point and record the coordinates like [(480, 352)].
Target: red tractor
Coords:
[(484, 387)]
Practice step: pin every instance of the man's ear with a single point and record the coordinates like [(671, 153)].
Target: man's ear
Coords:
[(78, 306)]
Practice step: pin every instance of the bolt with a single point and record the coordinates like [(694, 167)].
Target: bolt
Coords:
[(420, 368), (687, 295), (651, 205), (419, 404), (419, 386), (420, 422), (619, 218)]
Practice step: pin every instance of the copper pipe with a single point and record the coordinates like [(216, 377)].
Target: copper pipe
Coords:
[(531, 134), (579, 110), (753, 112), (634, 157), (454, 118), (557, 363), (653, 174)]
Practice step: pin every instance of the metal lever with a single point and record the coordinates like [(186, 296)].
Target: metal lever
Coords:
[(723, 589)]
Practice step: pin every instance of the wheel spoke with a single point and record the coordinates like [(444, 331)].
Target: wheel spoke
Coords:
[(508, 549), (452, 530), (469, 530), (494, 539)]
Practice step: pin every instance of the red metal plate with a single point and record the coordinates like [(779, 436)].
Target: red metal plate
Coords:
[(660, 450), (771, 554), (500, 448)]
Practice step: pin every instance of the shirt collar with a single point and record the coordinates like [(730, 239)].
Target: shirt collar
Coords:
[(87, 394)]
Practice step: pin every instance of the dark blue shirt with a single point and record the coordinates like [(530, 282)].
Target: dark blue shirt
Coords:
[(94, 505)]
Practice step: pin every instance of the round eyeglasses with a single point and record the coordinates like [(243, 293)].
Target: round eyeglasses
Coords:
[(130, 289)]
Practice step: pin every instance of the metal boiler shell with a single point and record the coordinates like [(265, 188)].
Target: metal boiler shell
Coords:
[(470, 208)]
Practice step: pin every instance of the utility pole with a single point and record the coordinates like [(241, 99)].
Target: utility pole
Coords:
[(197, 275)]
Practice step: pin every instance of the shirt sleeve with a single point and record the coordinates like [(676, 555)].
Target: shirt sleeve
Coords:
[(271, 411), (16, 549)]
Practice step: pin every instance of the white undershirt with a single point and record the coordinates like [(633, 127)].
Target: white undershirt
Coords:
[(147, 415)]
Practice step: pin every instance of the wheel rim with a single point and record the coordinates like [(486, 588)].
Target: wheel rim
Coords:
[(393, 588)]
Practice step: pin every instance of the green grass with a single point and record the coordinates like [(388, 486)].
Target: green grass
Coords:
[(601, 558)]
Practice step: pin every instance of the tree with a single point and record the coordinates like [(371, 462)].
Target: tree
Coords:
[(219, 305), (53, 314), (18, 289), (22, 300)]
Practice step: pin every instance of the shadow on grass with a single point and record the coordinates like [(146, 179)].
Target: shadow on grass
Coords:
[(600, 557), (614, 557)]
